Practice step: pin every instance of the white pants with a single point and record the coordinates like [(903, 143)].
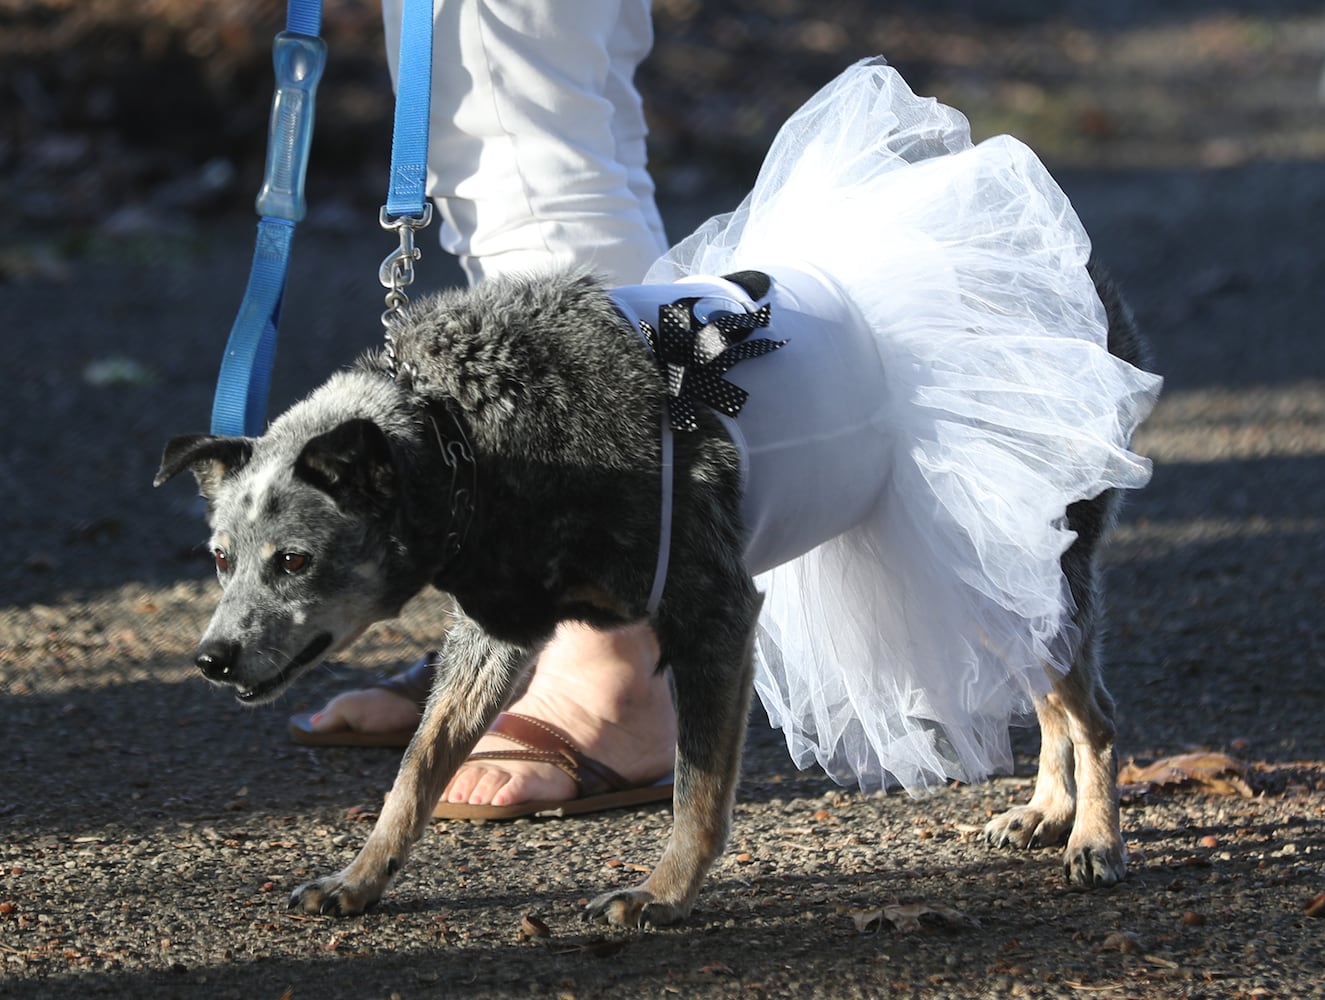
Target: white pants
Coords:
[(536, 155)]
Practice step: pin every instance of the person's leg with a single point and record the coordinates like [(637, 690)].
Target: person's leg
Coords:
[(561, 181), (540, 162), (536, 152), (601, 690), (629, 45)]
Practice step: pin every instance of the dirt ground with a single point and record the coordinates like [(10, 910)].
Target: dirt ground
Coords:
[(151, 829)]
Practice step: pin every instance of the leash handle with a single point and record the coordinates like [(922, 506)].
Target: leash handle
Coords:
[(299, 56), (299, 61)]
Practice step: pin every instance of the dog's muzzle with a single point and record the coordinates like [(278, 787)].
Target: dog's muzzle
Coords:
[(218, 661)]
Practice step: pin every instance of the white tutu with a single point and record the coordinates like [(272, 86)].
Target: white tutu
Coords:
[(903, 648)]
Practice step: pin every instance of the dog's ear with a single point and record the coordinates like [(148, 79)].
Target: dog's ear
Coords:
[(208, 457), (351, 463)]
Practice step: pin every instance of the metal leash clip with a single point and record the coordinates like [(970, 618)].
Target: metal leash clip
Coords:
[(397, 270)]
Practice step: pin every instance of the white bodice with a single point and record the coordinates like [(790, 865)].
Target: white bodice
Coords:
[(813, 459)]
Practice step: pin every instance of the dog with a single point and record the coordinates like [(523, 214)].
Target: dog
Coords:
[(505, 448)]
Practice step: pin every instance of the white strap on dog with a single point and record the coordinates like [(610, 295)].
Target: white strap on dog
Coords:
[(696, 341), (666, 475), (665, 528)]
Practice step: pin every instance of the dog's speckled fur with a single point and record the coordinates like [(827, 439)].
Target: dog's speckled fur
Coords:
[(340, 513)]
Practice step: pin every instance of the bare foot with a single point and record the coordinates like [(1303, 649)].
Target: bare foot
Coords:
[(602, 690), (370, 710)]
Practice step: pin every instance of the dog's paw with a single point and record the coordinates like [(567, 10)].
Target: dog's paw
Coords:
[(1095, 864), (634, 908), (1026, 827), (335, 896)]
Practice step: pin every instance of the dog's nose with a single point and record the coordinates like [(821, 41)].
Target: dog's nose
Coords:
[(216, 659)]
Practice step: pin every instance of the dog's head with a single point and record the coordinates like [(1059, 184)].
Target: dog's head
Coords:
[(302, 529)]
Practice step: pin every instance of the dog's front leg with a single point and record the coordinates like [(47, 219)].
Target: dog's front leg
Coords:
[(475, 675), (713, 668)]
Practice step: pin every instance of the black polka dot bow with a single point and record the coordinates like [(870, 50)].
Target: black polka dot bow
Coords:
[(694, 357)]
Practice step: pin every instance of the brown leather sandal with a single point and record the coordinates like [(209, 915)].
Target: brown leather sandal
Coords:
[(413, 684), (600, 787)]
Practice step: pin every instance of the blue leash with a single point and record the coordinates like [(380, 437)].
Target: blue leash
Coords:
[(299, 56), (407, 209)]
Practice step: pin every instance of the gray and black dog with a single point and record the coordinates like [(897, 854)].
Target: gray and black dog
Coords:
[(506, 450)]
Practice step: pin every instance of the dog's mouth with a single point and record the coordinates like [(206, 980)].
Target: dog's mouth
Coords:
[(310, 653)]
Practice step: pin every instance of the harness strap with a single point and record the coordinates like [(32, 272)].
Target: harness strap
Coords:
[(666, 472)]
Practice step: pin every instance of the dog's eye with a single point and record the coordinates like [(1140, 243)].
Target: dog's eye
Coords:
[(222, 559), (292, 562)]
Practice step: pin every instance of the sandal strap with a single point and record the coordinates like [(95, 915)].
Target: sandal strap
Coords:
[(415, 682), (542, 743), (546, 744)]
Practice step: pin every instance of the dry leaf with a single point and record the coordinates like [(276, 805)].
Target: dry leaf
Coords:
[(866, 920), (1217, 773), (1128, 942), (117, 371), (1086, 988), (532, 927), (1316, 908), (907, 917)]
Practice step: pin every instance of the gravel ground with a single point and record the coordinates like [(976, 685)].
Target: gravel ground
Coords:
[(150, 828)]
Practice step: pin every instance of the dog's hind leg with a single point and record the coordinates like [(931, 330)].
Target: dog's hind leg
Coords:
[(1076, 787), (713, 666), (1095, 854), (475, 676)]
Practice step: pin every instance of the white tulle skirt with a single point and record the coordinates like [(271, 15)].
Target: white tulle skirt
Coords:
[(900, 651)]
